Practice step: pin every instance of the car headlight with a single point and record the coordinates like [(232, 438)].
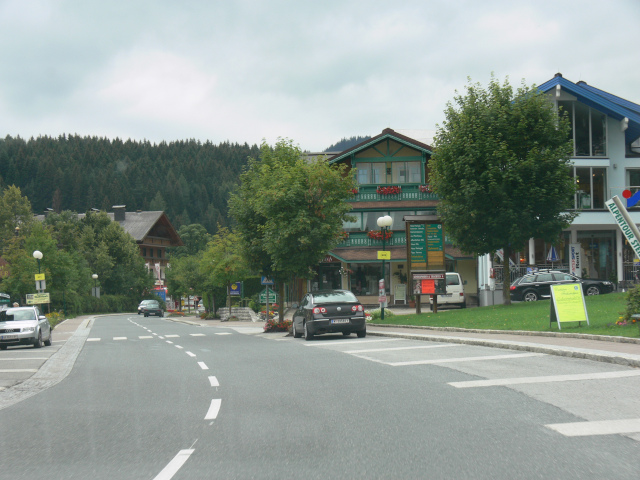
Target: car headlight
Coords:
[(606, 283), (28, 329)]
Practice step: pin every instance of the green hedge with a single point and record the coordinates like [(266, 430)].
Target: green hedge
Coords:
[(85, 304)]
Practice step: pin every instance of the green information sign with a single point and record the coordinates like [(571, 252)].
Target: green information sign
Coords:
[(435, 246), (273, 296), (567, 304), (418, 247)]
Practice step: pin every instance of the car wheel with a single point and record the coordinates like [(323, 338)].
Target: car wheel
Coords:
[(346, 334), (593, 290), (362, 333), (37, 343), (49, 340), (530, 296), (294, 330), (307, 334), (146, 314)]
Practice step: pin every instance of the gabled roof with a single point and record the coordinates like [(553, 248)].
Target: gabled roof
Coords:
[(140, 225), (613, 106), (386, 133)]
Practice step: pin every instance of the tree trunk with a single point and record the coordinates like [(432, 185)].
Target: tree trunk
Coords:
[(506, 276), (281, 304)]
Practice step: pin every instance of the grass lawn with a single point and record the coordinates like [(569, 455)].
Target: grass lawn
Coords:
[(603, 311)]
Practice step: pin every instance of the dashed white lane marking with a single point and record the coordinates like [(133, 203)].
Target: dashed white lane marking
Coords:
[(451, 360), (224, 333), (119, 338), (172, 336), (174, 465), (160, 337), (93, 339), (214, 381), (203, 366), (169, 342), (214, 408), (348, 342), (190, 354), (179, 346), (144, 337), (197, 334), (602, 427), (400, 348), (545, 379)]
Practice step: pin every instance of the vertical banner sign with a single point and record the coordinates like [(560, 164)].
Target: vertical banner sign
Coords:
[(629, 229), (575, 260), (418, 238), (435, 246)]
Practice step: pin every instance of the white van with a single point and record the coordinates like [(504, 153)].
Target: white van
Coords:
[(455, 292)]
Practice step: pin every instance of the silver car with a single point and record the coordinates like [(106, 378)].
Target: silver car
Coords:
[(24, 326)]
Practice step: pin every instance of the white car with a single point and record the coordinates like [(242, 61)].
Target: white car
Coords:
[(455, 291), (24, 326)]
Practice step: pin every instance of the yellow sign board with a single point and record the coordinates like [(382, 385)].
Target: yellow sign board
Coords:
[(39, 276), (384, 255), (37, 298), (567, 304)]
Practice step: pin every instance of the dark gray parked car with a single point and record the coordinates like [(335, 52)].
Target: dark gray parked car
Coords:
[(329, 311), (537, 285), (24, 326)]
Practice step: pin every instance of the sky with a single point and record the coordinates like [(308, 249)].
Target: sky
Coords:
[(310, 71)]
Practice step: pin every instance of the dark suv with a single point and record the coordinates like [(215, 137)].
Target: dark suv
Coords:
[(536, 285)]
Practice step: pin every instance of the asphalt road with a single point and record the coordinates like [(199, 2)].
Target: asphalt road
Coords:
[(151, 398)]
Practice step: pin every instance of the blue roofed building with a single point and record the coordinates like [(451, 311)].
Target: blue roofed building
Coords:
[(605, 162)]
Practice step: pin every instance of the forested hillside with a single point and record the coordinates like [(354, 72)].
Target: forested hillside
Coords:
[(189, 180)]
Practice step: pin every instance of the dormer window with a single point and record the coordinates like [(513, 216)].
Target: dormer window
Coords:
[(588, 127)]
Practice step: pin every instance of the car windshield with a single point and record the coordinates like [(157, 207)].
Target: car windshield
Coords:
[(332, 297), (13, 314)]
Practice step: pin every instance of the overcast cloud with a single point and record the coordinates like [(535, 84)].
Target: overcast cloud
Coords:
[(313, 72)]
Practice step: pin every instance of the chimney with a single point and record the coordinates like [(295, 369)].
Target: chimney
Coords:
[(119, 213)]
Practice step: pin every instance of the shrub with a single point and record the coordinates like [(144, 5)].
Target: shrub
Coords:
[(276, 325), (377, 313), (633, 303), (55, 318)]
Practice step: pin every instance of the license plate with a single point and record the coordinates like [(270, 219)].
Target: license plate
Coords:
[(8, 337), (446, 295), (340, 320)]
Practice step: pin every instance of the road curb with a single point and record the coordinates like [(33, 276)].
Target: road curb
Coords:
[(584, 336), (595, 355)]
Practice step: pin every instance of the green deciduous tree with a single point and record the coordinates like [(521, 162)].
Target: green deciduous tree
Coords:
[(223, 262), (501, 170), (289, 212)]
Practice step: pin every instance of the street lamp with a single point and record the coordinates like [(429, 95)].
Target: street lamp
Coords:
[(37, 255), (384, 223)]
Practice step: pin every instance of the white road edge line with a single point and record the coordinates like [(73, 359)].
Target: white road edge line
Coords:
[(497, 382), (327, 343), (465, 359), (601, 427), (174, 465), (214, 408), (214, 381), (400, 348)]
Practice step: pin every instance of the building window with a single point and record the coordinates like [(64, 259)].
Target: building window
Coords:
[(144, 251), (591, 185), (371, 173), (354, 226), (588, 127), (405, 172)]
